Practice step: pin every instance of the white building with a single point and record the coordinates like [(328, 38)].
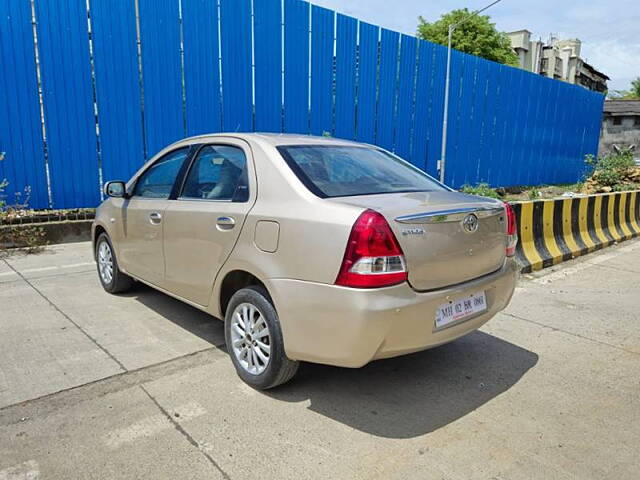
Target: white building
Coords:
[(559, 59)]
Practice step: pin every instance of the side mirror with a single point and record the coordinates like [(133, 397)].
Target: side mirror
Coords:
[(116, 189)]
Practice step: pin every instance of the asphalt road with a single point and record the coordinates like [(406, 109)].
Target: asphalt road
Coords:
[(140, 386)]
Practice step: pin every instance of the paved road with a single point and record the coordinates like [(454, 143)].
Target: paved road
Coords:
[(139, 386)]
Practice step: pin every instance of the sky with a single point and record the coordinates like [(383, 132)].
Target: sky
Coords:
[(608, 29)]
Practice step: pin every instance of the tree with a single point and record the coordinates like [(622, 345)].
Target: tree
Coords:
[(635, 88), (631, 94), (476, 36)]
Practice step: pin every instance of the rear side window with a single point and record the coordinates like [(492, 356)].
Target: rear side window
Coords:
[(339, 171), (157, 181), (217, 173)]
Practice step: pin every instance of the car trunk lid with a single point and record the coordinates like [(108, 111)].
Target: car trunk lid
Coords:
[(447, 237)]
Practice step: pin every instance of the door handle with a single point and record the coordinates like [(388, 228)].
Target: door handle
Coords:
[(225, 223), (155, 218)]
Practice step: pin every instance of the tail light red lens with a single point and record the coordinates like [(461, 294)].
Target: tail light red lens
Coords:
[(512, 232), (373, 257)]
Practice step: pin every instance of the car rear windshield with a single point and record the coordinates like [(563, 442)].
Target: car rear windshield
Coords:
[(340, 171)]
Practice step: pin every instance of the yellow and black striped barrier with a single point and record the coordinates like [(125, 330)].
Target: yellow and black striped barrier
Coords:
[(553, 231)]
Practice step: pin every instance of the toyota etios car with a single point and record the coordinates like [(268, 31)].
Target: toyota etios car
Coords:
[(311, 249)]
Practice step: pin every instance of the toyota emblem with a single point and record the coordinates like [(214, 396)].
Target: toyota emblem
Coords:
[(470, 223)]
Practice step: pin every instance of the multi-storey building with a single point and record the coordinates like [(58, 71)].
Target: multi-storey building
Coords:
[(558, 59)]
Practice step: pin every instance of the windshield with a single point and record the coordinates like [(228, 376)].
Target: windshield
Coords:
[(339, 171)]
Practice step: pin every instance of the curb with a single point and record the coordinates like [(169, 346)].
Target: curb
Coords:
[(553, 231), (56, 232)]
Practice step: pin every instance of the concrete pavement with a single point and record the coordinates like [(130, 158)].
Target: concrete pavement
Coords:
[(139, 386)]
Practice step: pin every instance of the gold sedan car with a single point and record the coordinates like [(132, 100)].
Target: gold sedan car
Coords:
[(310, 249)]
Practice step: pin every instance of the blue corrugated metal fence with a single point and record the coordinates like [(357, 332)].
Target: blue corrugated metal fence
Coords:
[(120, 80)]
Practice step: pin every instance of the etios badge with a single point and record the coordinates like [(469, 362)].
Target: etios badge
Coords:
[(470, 223), (412, 231)]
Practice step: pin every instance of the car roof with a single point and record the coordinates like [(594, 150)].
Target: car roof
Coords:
[(276, 139)]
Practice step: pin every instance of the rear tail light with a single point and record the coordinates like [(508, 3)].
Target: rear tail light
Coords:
[(373, 258), (512, 232)]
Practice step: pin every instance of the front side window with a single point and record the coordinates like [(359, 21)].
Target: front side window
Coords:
[(157, 181), (338, 171), (218, 173)]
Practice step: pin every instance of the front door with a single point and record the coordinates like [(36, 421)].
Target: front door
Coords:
[(143, 213), (202, 226)]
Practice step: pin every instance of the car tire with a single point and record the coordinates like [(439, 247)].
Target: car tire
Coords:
[(116, 281), (278, 369)]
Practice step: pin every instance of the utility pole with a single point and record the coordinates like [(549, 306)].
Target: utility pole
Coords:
[(445, 115)]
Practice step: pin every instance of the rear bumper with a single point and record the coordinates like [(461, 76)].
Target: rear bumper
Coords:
[(350, 327)]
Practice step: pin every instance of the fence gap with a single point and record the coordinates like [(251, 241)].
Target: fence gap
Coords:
[(141, 80), (219, 27), (396, 94), (309, 67), (45, 150), (378, 62), (96, 111), (253, 67), (412, 118), (182, 71), (282, 64), (333, 74)]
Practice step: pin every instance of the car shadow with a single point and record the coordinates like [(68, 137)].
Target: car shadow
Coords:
[(412, 395), (185, 316), (401, 397)]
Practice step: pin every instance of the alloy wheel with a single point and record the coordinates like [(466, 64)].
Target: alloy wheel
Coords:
[(250, 339), (105, 262)]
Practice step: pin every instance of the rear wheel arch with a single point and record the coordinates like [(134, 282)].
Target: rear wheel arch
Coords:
[(235, 280)]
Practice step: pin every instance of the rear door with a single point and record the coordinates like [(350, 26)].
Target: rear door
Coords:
[(202, 226), (140, 249)]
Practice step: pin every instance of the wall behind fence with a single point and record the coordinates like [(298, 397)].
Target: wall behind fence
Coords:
[(120, 80)]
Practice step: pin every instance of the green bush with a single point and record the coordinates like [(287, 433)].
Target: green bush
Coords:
[(3, 185), (610, 170), (481, 189), (30, 238), (533, 193), (625, 187)]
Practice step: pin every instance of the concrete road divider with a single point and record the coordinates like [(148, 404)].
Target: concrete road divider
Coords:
[(553, 231)]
